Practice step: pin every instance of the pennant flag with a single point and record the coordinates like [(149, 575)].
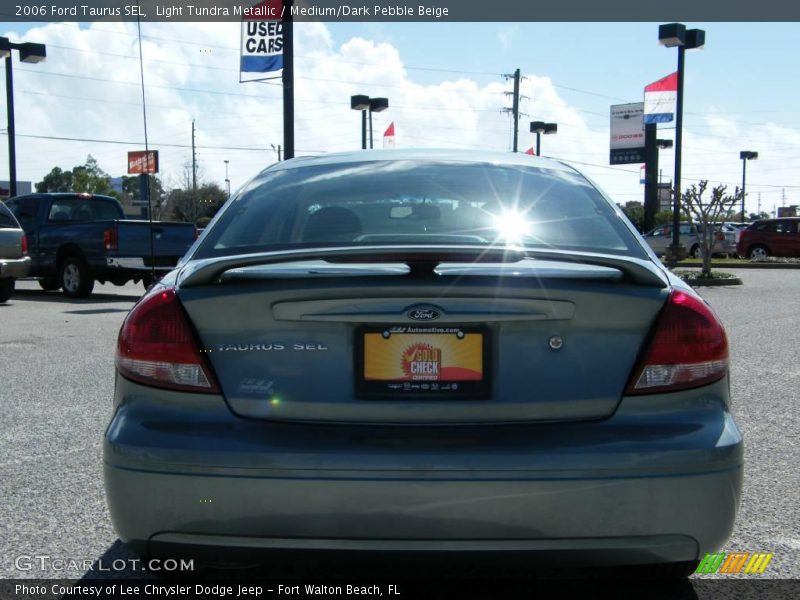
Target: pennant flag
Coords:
[(660, 98), (388, 136), (530, 151)]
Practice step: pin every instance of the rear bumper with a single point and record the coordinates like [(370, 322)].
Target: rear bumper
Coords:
[(16, 268), (657, 482), (133, 263)]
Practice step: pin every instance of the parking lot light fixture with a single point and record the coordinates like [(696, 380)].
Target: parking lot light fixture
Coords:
[(361, 102), (745, 155), (376, 105), (29, 52), (674, 35), (539, 128)]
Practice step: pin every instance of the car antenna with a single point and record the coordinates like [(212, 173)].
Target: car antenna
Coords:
[(146, 188)]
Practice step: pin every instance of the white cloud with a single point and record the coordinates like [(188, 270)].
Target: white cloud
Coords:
[(506, 36)]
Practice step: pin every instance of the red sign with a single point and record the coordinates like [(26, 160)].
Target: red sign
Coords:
[(140, 162)]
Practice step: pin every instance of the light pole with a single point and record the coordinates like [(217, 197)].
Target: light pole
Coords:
[(652, 145), (671, 35), (745, 155), (539, 128), (227, 180), (367, 105), (361, 103), (376, 105), (28, 53)]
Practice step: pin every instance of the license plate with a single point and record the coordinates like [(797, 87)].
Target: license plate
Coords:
[(411, 361)]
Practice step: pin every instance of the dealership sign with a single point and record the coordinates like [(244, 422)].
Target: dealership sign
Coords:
[(141, 161), (627, 134), (262, 39)]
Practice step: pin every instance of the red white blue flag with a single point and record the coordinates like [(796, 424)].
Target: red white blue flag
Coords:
[(660, 99)]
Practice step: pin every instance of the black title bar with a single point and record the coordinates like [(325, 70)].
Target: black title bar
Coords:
[(405, 11)]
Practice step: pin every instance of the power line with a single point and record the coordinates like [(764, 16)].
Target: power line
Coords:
[(160, 144)]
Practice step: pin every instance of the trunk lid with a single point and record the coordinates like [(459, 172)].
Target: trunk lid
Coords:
[(337, 340)]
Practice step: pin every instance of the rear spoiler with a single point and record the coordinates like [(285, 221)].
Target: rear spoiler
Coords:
[(390, 260)]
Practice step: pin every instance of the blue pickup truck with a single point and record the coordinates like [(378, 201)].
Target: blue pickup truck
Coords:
[(77, 239)]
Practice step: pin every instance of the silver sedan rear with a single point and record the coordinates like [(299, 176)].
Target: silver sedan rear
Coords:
[(14, 260), (424, 351)]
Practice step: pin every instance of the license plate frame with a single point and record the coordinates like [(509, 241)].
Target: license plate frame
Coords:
[(422, 385)]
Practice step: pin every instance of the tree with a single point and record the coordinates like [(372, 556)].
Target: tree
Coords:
[(88, 178), (634, 210), (663, 217), (183, 206), (131, 189), (706, 214)]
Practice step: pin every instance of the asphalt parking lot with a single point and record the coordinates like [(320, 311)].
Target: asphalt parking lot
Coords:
[(56, 386)]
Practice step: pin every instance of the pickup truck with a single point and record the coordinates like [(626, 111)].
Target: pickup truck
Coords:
[(77, 239)]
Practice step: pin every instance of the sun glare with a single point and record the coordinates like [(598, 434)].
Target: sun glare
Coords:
[(511, 226)]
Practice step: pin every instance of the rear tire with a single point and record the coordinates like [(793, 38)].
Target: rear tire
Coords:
[(695, 251), (76, 280), (757, 252), (50, 284), (6, 289)]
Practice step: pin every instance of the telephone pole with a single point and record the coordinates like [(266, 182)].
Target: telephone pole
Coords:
[(194, 177), (514, 110)]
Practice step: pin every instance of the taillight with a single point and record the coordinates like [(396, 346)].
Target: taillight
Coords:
[(688, 348), (158, 347), (111, 239), (24, 245)]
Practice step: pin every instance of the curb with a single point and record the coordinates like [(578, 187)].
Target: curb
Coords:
[(698, 282), (744, 265)]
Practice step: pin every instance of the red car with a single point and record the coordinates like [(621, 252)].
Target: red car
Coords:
[(772, 237)]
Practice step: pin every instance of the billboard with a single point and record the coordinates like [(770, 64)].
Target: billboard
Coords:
[(141, 161), (627, 134)]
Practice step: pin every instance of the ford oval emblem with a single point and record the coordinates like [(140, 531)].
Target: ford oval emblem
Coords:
[(423, 313)]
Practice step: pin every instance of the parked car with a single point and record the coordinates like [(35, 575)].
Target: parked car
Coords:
[(77, 239), (14, 259), (660, 238), (726, 238), (423, 350), (771, 237)]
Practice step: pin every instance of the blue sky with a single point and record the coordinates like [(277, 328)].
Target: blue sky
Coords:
[(445, 88)]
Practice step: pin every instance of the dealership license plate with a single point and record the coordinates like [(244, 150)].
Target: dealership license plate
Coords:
[(400, 361)]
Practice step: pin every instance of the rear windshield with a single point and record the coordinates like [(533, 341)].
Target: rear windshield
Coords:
[(76, 208), (419, 203), (7, 220)]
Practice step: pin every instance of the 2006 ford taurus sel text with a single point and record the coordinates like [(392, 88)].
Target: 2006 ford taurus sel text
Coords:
[(439, 351)]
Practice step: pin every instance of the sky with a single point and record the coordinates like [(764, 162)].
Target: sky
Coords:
[(447, 85)]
